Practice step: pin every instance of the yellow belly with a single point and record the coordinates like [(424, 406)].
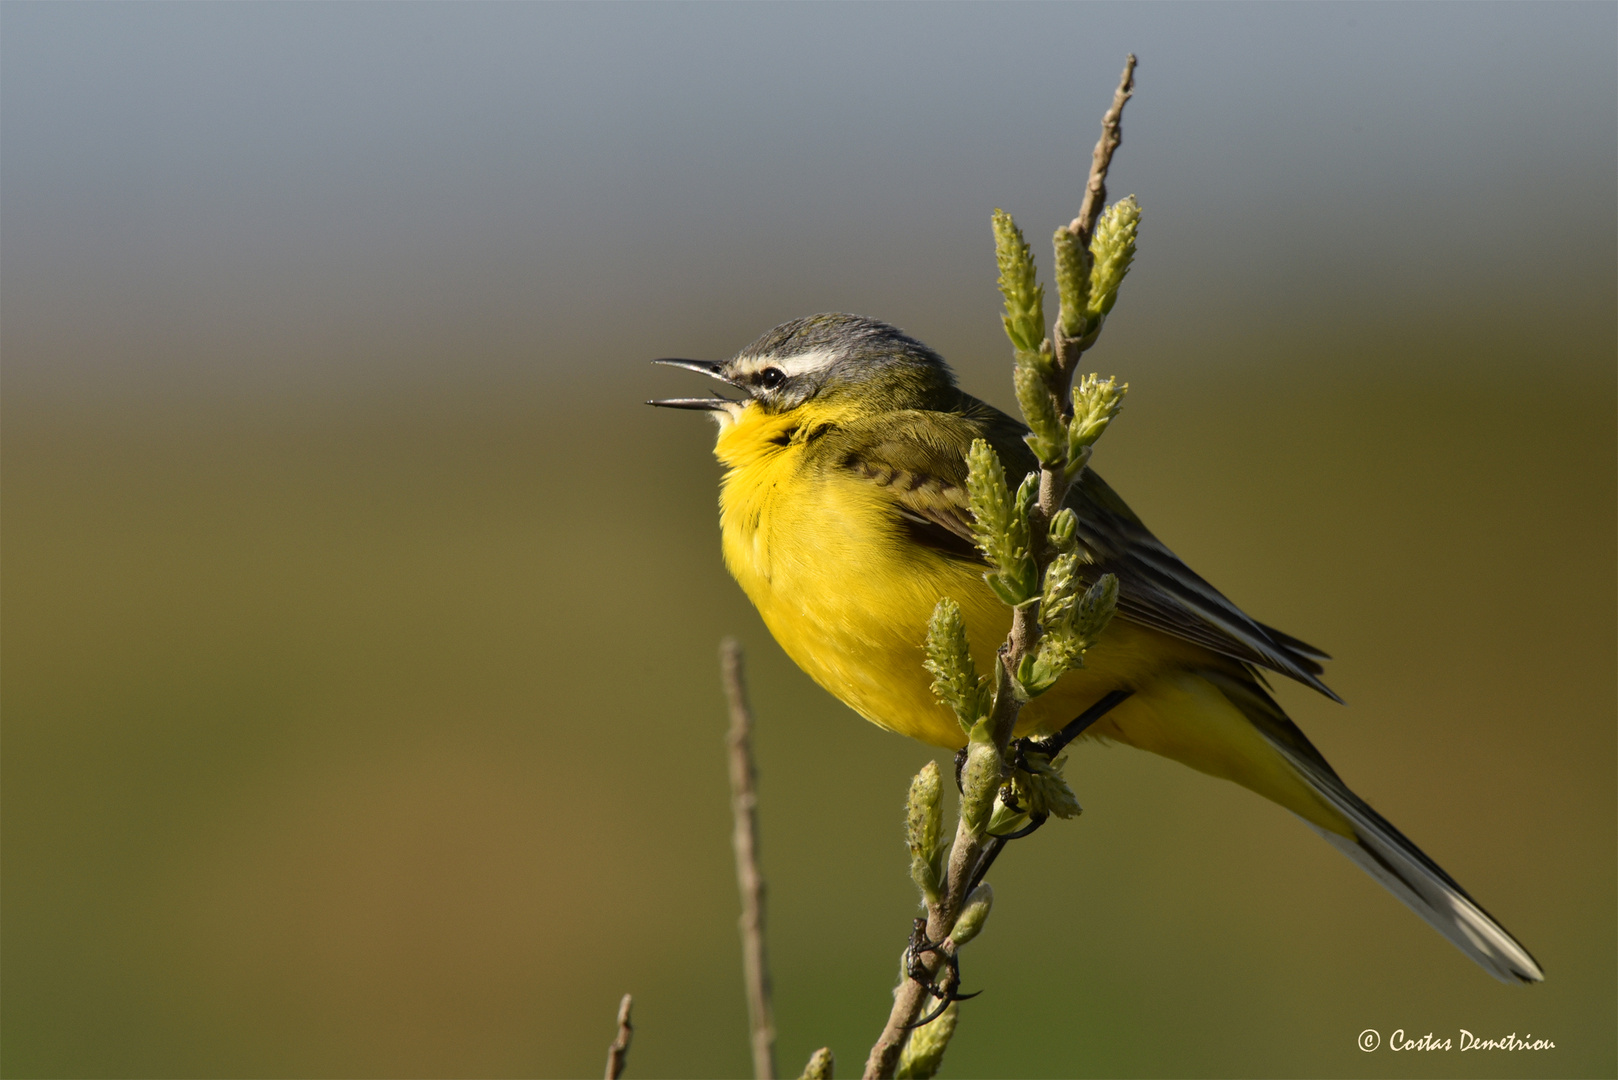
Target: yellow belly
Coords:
[(848, 595)]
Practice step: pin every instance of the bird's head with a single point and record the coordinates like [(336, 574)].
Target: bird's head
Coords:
[(838, 365)]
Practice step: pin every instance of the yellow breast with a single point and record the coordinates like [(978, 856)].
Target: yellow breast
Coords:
[(824, 556)]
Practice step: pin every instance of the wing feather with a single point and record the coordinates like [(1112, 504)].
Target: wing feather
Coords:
[(1158, 590), (918, 459)]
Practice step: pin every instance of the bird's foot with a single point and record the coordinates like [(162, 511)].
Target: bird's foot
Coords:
[(1017, 758), (946, 991)]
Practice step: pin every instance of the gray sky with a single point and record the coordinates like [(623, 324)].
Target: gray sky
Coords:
[(261, 195)]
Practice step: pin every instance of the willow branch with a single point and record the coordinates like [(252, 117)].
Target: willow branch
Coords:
[(618, 1052), (750, 881), (973, 849)]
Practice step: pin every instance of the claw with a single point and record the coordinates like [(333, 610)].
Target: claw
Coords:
[(920, 946), (1008, 793), (930, 1017), (1051, 745), (946, 993)]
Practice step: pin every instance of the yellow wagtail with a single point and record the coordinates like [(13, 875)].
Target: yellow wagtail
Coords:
[(844, 518)]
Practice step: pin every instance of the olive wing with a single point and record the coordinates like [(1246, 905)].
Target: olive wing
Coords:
[(919, 460)]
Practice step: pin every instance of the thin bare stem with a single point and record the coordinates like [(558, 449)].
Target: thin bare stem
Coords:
[(1067, 350), (744, 807), (1095, 191), (618, 1052)]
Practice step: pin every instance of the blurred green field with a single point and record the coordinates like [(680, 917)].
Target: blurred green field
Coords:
[(358, 625), (381, 735)]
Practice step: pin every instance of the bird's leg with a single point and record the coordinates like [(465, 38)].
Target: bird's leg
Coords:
[(1008, 796), (1017, 757), (991, 853), (918, 947), (1051, 745)]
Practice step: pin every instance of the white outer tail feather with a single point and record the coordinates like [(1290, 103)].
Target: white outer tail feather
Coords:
[(1453, 915), (1403, 871)]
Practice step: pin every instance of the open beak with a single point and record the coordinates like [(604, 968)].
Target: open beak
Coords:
[(711, 404), (710, 368)]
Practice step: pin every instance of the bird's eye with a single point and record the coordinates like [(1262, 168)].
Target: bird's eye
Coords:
[(770, 378)]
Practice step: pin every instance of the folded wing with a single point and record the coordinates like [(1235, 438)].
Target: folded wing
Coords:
[(919, 459)]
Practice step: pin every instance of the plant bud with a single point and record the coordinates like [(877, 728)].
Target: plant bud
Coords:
[(1041, 789), (1096, 608), (1000, 523), (980, 782), (956, 682), (1072, 283), (1025, 299), (1064, 530), (973, 915), (1048, 435), (1113, 249), (820, 1065), (924, 823), (924, 1051), (1061, 592)]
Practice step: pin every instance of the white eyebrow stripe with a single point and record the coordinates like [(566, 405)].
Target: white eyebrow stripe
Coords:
[(799, 363)]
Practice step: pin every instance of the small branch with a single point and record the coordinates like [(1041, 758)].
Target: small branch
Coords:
[(618, 1052), (744, 807), (908, 1000), (1083, 227), (1095, 191), (1053, 487)]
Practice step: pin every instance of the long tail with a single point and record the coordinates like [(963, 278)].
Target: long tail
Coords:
[(1384, 852), (1404, 870)]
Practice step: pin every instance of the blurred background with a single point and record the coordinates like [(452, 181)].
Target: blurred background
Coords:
[(361, 702)]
